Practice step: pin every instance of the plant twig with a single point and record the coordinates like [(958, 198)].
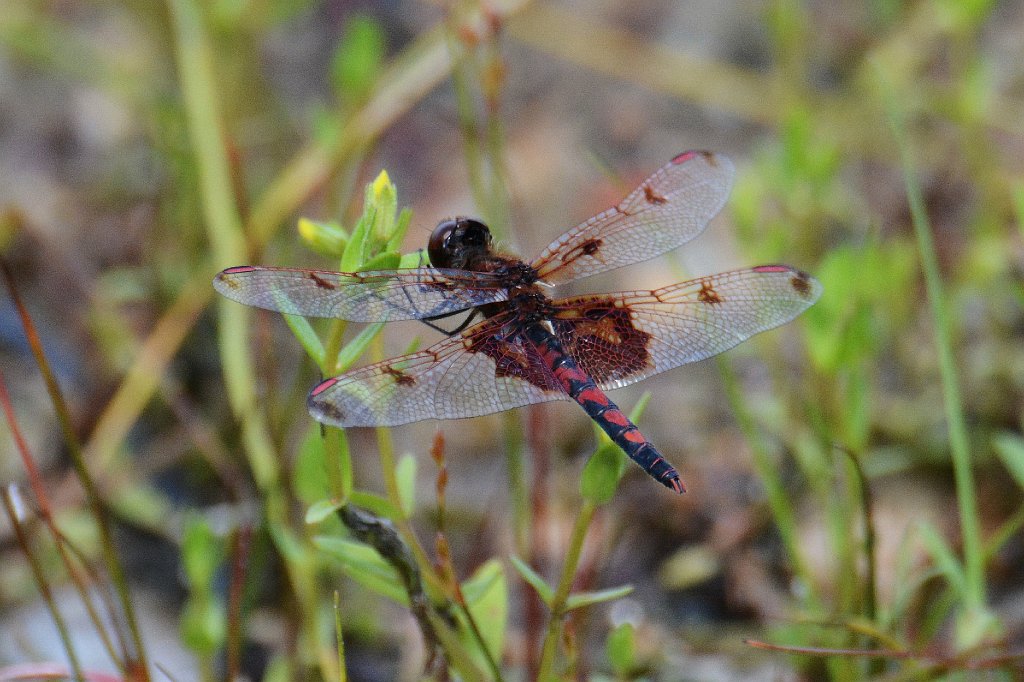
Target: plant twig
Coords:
[(970, 525), (135, 659), (39, 575), (561, 596)]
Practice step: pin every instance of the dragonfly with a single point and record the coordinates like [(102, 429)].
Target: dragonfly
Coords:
[(518, 346)]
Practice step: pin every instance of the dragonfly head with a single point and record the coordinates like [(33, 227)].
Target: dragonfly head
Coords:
[(456, 243)]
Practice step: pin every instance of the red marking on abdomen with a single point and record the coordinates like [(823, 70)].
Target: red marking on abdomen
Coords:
[(634, 436), (616, 417), (592, 395), (601, 409)]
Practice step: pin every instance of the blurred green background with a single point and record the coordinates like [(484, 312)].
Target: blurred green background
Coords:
[(855, 477)]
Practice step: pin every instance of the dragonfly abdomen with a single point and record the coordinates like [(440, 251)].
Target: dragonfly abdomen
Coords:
[(582, 388)]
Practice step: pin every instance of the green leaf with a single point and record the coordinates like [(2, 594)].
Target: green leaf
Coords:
[(641, 405), (321, 510), (413, 259), (975, 626), (405, 474), (844, 325), (687, 567), (358, 250), (328, 239), (278, 670), (375, 504), (203, 625), (581, 599), (1010, 448), (486, 593), (363, 564), (401, 227), (288, 543), (943, 557), (309, 480), (602, 472), (307, 336), (389, 260), (383, 196), (620, 648), (143, 504), (357, 346), (201, 552), (533, 579), (357, 59)]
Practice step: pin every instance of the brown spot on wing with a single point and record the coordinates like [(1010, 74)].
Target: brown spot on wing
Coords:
[(231, 283), (707, 293), (400, 377), (601, 337), (320, 281), (653, 197), (800, 284), (590, 247), (587, 248)]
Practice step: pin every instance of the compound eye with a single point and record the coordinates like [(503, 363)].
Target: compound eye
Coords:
[(439, 248), (474, 233)]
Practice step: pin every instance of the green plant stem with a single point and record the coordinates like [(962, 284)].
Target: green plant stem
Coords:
[(970, 526), (223, 224), (224, 229), (78, 461), (565, 581), (515, 457), (336, 452), (386, 449), (342, 672), (35, 478), (495, 139), (768, 473), (975, 622), (41, 581), (464, 105), (413, 74)]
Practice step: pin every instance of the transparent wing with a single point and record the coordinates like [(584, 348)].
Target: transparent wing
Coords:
[(621, 338), (475, 373), (378, 296), (667, 210)]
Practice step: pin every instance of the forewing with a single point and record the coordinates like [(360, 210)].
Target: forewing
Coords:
[(480, 371), (377, 296), (624, 337), (667, 210)]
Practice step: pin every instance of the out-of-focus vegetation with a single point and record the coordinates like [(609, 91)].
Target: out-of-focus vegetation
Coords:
[(855, 506)]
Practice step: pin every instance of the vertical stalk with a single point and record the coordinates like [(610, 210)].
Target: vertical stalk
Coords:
[(572, 560), (970, 526), (768, 473), (78, 460), (223, 226), (40, 577)]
